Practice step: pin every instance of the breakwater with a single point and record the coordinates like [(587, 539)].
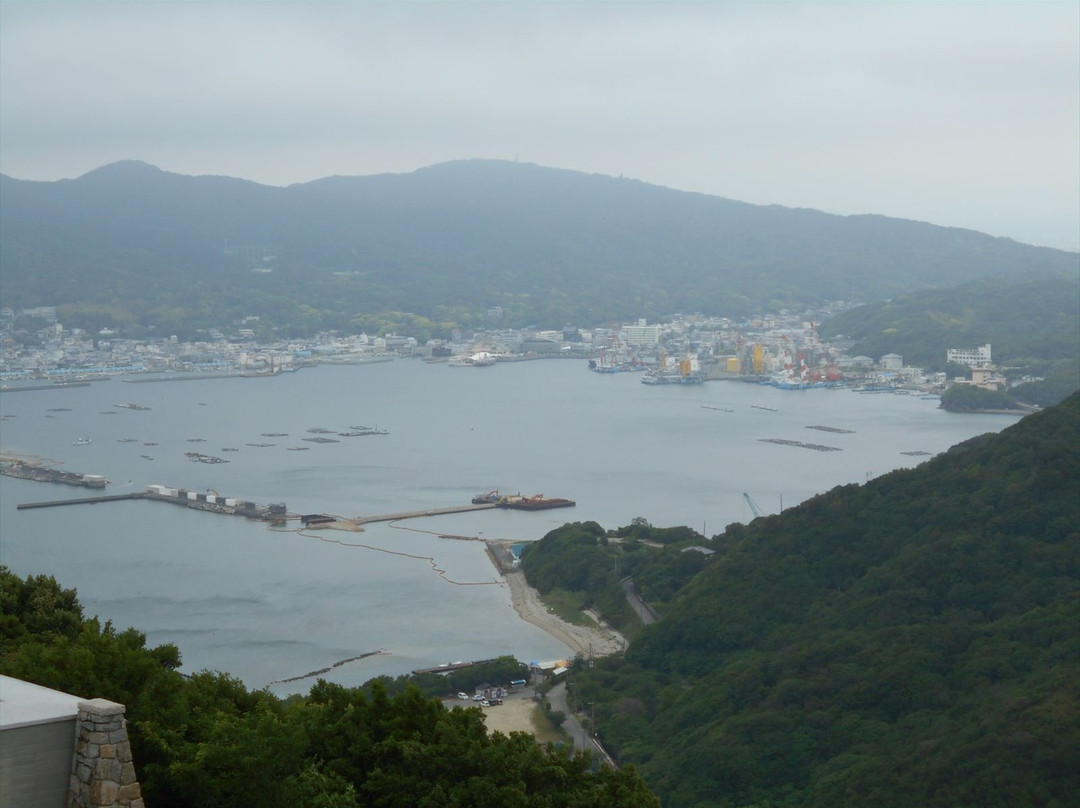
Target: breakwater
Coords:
[(393, 517), (26, 388), (327, 669), (451, 666), (55, 503), (214, 503)]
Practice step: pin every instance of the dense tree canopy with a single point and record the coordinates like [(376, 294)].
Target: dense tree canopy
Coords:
[(912, 641), (205, 741), (590, 566), (968, 398)]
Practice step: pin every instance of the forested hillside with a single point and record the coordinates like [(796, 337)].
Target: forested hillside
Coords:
[(1031, 322), (580, 566), (129, 245), (912, 642), (205, 741)]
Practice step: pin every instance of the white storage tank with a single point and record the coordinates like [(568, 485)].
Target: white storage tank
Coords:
[(192, 495), (211, 499), (231, 501)]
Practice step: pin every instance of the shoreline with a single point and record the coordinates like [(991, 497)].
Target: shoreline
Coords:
[(584, 641)]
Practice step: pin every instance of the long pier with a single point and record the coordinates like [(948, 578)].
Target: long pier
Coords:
[(393, 517), (451, 666), (80, 501), (359, 520)]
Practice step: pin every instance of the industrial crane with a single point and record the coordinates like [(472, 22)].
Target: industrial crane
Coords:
[(753, 505)]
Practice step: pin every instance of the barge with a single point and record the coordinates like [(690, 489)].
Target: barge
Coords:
[(534, 503), (517, 502)]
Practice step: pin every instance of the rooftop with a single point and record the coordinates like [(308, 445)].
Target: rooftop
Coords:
[(25, 704)]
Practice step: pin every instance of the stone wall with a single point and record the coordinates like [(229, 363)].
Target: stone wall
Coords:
[(102, 771)]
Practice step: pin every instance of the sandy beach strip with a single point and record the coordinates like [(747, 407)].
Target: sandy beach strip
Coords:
[(596, 640)]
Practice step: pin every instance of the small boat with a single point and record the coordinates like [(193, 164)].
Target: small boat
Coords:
[(80, 441)]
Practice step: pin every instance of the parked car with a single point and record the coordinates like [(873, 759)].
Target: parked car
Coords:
[(463, 696)]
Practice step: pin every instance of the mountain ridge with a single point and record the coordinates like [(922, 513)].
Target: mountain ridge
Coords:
[(452, 240)]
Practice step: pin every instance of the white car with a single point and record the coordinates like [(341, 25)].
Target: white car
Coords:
[(463, 696)]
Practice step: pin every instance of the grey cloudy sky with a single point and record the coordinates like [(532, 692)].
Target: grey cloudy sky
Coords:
[(961, 114)]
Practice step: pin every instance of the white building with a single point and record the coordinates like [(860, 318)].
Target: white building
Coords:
[(641, 334), (892, 361), (972, 357)]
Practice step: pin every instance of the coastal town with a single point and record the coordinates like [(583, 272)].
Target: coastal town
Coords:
[(783, 349)]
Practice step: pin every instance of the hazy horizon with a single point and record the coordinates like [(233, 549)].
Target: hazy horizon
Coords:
[(962, 115)]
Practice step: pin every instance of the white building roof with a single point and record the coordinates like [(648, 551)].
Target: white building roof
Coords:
[(24, 704)]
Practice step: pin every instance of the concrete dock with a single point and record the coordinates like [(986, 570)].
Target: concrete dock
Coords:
[(451, 666), (393, 517), (359, 520), (80, 501)]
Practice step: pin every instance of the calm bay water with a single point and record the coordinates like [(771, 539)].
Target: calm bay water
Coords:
[(265, 605)]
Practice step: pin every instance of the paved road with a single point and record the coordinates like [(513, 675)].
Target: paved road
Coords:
[(557, 698), (642, 609)]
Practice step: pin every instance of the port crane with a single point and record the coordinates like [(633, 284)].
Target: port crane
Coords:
[(753, 505)]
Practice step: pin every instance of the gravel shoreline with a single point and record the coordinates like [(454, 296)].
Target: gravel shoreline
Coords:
[(598, 640)]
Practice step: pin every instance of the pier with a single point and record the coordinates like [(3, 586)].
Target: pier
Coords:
[(273, 513), (80, 501), (450, 666), (393, 517)]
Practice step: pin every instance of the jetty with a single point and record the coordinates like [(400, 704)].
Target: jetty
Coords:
[(276, 513), (80, 501), (26, 388), (450, 666), (393, 517)]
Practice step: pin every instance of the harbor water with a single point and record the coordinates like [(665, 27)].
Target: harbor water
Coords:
[(268, 604)]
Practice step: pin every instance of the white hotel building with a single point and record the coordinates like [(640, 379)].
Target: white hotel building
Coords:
[(641, 335), (972, 357)]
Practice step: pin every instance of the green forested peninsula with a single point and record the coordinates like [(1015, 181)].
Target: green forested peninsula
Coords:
[(1033, 323), (912, 642), (205, 741), (580, 566)]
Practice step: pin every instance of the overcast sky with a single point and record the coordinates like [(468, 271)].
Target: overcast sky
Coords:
[(964, 114)]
